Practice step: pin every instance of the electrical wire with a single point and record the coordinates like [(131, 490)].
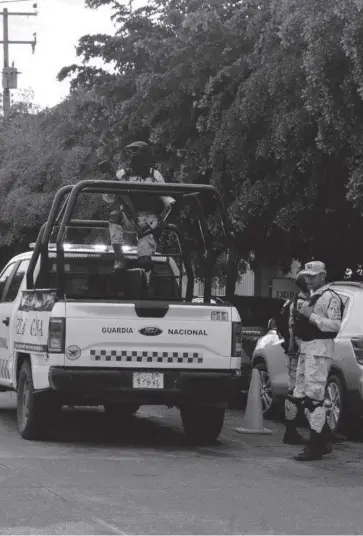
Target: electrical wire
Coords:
[(13, 1)]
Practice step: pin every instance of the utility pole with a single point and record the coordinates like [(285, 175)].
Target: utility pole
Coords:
[(10, 73), (6, 92)]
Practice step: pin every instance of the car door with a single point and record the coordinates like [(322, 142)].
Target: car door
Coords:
[(4, 327), (11, 280), (342, 349)]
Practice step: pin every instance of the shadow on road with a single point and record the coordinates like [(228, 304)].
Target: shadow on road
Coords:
[(93, 427)]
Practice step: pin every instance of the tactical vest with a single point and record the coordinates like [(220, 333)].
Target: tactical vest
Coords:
[(145, 202), (306, 331)]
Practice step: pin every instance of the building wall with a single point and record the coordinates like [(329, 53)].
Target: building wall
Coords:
[(245, 287), (272, 282), (266, 281)]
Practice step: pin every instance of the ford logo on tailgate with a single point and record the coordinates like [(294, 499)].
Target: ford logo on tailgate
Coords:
[(150, 331)]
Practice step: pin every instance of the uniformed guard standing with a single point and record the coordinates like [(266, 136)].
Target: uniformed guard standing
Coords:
[(316, 324)]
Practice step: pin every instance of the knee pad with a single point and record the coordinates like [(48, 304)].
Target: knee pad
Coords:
[(146, 263), (291, 408), (315, 412), (116, 217), (311, 404)]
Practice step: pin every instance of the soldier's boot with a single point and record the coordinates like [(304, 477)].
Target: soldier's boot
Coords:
[(292, 436), (120, 263), (313, 450), (145, 262), (326, 438), (319, 429)]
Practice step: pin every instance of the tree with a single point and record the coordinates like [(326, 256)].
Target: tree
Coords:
[(40, 152), (261, 98)]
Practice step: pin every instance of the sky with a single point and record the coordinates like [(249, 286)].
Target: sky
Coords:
[(59, 25)]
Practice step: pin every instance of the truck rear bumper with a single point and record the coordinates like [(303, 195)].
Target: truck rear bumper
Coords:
[(180, 387)]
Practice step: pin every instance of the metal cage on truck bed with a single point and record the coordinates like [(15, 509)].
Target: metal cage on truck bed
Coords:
[(65, 202)]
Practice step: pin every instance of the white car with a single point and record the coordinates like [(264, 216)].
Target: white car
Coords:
[(345, 383)]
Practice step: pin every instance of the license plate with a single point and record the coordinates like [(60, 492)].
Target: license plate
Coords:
[(148, 380)]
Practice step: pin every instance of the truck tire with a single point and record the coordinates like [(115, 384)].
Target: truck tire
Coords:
[(34, 411), (202, 425), (120, 411)]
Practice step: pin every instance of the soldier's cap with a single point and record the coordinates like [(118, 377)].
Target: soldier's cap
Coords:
[(313, 268)]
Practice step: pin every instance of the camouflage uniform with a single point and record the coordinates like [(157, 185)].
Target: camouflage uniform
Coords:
[(145, 219), (315, 357)]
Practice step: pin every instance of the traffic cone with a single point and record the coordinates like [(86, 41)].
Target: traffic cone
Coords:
[(253, 419)]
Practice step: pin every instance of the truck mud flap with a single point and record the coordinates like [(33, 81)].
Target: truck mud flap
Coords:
[(208, 386)]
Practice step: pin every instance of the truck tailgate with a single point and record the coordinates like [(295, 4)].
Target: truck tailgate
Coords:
[(147, 335)]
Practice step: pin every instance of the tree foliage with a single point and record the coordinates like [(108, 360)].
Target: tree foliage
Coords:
[(261, 98), (39, 152)]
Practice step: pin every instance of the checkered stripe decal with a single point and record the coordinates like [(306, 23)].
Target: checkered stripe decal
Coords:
[(4, 370), (145, 356)]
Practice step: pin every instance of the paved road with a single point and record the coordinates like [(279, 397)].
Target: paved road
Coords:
[(147, 480)]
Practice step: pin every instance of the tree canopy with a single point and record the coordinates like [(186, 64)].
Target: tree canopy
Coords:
[(262, 99)]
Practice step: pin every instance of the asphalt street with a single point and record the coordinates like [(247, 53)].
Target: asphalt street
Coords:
[(144, 478)]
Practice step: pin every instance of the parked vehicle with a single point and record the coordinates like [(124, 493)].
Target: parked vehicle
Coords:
[(214, 300), (74, 333), (345, 383), (255, 311)]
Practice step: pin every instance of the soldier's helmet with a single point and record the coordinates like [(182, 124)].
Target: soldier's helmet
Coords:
[(138, 153)]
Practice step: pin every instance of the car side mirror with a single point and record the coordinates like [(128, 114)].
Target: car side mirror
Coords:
[(271, 324)]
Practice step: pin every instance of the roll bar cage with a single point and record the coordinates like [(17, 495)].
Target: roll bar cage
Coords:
[(65, 201)]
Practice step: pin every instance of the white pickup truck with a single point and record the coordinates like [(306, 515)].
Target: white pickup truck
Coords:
[(74, 341)]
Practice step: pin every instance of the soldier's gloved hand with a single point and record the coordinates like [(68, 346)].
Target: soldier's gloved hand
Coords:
[(295, 315), (149, 229), (306, 310)]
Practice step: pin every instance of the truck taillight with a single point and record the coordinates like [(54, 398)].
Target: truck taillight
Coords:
[(236, 339), (56, 336), (357, 343)]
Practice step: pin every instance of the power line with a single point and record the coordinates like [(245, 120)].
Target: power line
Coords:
[(13, 1)]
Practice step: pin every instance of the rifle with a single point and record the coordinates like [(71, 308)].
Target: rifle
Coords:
[(292, 342)]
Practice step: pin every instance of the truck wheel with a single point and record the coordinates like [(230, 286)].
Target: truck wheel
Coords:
[(120, 411), (34, 412), (202, 425)]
